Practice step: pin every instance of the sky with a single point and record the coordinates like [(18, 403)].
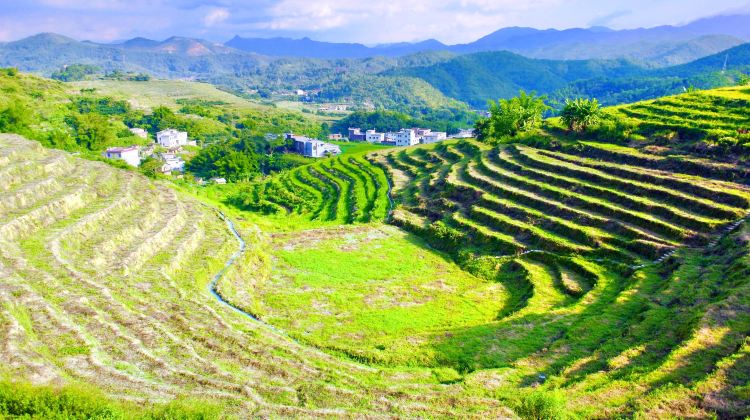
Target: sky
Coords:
[(365, 21)]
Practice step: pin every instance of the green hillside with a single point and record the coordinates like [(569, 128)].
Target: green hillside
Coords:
[(623, 272), (604, 274), (477, 78), (709, 123), (106, 285)]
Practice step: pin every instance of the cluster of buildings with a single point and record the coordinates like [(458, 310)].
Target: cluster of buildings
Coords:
[(170, 139), (313, 147), (402, 137)]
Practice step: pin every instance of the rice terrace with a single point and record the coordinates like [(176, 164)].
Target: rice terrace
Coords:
[(288, 228)]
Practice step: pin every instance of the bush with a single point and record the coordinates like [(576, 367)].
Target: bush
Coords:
[(14, 118), (446, 375), (543, 405), (580, 114), (25, 400), (508, 117)]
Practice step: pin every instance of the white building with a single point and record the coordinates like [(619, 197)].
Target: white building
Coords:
[(172, 162), (434, 137), (129, 154), (313, 147), (219, 181), (464, 133), (405, 137), (139, 132), (171, 138), (373, 136)]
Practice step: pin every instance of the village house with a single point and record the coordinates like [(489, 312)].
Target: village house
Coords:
[(356, 134), (129, 154), (335, 136), (313, 147), (172, 139), (171, 162), (464, 133), (373, 136), (139, 132), (219, 181), (433, 137), (405, 137)]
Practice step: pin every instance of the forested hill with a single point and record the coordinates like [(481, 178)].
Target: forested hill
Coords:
[(411, 84), (477, 78)]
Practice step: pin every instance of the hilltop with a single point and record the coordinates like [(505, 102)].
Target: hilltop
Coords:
[(656, 47)]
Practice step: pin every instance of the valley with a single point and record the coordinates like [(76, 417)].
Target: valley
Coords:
[(532, 224)]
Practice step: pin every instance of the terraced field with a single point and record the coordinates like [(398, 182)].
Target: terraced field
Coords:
[(623, 276), (105, 283), (590, 200), (709, 113), (598, 248), (346, 189), (597, 280)]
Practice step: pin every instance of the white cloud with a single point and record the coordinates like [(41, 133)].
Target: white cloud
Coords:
[(216, 16), (393, 20)]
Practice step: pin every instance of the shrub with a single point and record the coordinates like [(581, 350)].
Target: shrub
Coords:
[(446, 375), (508, 117), (14, 118), (580, 114), (543, 405)]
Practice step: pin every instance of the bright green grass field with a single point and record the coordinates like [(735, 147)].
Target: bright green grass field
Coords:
[(388, 304)]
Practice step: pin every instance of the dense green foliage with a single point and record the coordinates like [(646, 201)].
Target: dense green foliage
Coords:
[(75, 72), (450, 121), (579, 114), (23, 400), (508, 117), (475, 78)]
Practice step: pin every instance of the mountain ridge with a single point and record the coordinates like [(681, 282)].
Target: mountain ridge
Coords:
[(644, 44)]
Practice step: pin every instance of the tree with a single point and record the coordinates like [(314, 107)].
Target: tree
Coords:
[(508, 117), (93, 131), (580, 114), (74, 72), (150, 167), (325, 130), (15, 117), (743, 79)]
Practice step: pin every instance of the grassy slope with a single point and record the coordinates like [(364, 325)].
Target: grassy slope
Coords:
[(703, 114), (155, 93), (587, 308), (105, 285)]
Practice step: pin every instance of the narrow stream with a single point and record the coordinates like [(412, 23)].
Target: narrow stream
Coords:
[(220, 274)]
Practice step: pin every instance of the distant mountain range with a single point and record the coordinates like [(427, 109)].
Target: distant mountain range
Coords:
[(307, 48), (659, 46), (421, 81)]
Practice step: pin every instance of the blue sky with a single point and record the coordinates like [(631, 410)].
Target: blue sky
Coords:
[(369, 21)]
